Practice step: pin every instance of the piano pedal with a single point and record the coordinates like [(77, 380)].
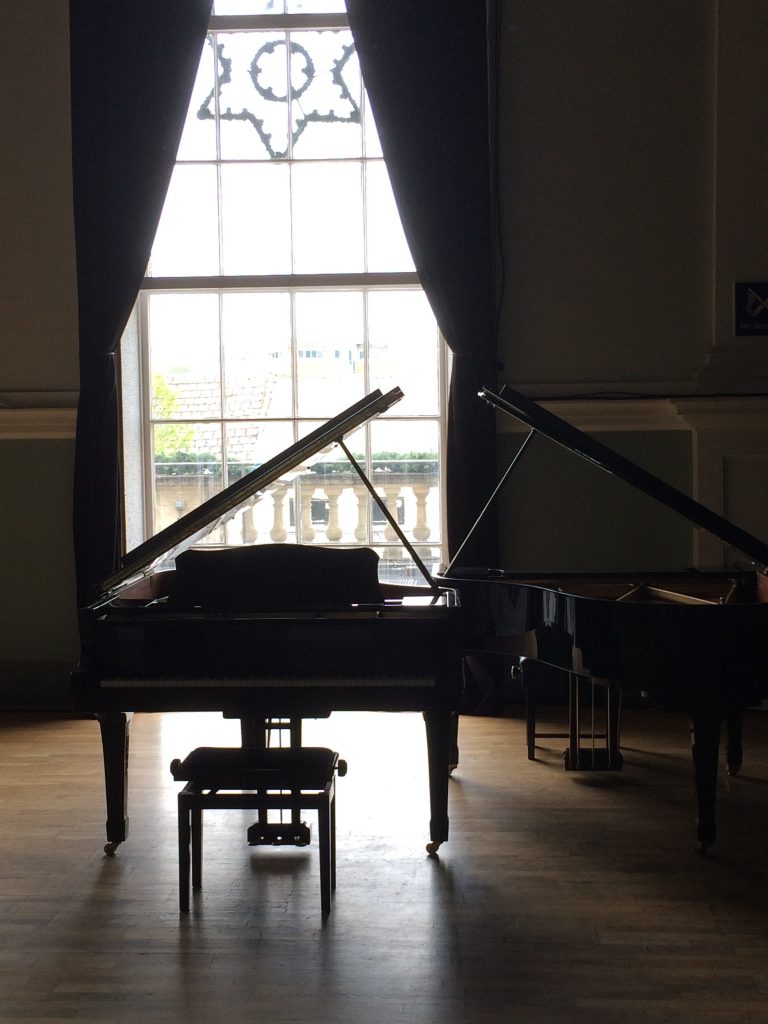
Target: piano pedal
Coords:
[(279, 834)]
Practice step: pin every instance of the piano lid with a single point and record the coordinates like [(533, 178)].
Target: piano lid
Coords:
[(171, 541), (542, 421)]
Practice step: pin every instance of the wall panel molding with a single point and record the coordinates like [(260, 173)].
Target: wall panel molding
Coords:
[(613, 414), (639, 414), (37, 424)]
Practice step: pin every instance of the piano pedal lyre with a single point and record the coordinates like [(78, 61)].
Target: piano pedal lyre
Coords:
[(270, 733), (291, 833), (603, 752)]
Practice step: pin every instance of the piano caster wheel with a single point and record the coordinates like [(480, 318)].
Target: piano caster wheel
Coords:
[(111, 848), (734, 769), (706, 838), (432, 848)]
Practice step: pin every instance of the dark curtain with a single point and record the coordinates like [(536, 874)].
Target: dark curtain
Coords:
[(133, 64), (427, 70)]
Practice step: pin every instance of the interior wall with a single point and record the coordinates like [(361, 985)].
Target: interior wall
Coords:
[(556, 501), (38, 350), (39, 643), (606, 137), (38, 358), (633, 174)]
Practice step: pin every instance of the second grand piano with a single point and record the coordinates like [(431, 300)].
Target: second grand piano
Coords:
[(273, 630), (693, 640)]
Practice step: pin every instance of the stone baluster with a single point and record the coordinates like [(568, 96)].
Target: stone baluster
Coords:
[(278, 533), (361, 530), (249, 530), (421, 529), (391, 494), (333, 493), (306, 493)]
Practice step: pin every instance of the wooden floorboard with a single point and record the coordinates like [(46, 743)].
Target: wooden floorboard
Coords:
[(560, 898)]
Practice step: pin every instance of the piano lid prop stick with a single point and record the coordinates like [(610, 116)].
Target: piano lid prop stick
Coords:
[(390, 519), (491, 500)]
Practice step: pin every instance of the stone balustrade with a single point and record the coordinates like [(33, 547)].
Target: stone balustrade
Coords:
[(324, 508)]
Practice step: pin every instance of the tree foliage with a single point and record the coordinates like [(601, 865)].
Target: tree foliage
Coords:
[(171, 439)]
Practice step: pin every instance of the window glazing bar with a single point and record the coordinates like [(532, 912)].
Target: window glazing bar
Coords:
[(282, 282), (244, 22)]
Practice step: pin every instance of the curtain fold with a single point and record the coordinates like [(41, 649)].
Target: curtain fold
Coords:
[(428, 75), (132, 67)]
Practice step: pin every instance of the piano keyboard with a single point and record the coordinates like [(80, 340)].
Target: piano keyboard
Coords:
[(367, 682)]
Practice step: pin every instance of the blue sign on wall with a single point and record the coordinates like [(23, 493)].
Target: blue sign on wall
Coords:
[(751, 308)]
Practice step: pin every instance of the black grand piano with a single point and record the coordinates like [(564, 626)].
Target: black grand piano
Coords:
[(692, 640), (268, 631)]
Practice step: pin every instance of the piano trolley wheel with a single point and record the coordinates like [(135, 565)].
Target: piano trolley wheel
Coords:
[(432, 848), (111, 848), (706, 836)]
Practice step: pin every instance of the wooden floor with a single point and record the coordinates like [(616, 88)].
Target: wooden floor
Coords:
[(559, 899)]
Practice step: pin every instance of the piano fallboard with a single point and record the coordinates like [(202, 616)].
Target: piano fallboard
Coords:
[(401, 655)]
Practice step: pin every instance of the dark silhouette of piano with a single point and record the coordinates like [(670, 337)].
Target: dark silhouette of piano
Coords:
[(268, 631), (692, 640)]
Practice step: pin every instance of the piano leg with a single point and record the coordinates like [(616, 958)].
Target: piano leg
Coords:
[(453, 750), (441, 744), (705, 736), (734, 757), (115, 733)]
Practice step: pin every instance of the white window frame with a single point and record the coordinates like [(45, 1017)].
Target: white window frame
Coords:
[(138, 468)]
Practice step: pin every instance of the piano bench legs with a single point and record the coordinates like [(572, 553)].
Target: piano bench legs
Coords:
[(285, 779), (603, 718)]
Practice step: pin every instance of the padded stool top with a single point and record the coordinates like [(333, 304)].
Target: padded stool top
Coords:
[(254, 768)]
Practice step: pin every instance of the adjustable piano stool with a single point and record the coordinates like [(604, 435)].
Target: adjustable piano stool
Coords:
[(603, 752), (287, 779)]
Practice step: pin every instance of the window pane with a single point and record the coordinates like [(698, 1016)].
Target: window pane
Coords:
[(387, 247), (266, 519), (251, 444), (184, 356), (187, 239), (248, 7), (327, 90), (405, 471), (404, 350), (279, 6), (198, 140), (253, 83), (187, 468), (330, 499), (329, 366), (256, 333), (327, 218), (370, 132), (256, 212), (315, 6)]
